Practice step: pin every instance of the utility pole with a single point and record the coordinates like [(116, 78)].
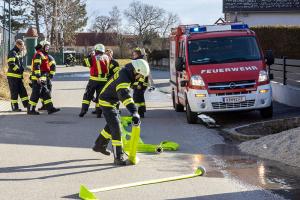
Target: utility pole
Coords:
[(61, 15), (4, 33), (9, 24)]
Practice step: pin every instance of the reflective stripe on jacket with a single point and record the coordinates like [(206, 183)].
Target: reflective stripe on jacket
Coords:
[(117, 89)]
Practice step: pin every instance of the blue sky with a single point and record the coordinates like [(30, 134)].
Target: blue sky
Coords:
[(189, 11)]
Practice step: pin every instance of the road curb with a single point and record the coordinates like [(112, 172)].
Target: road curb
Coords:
[(235, 134)]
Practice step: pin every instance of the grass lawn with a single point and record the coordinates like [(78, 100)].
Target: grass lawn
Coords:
[(4, 89), (123, 62)]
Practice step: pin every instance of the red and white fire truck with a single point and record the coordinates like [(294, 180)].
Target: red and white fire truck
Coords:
[(219, 68)]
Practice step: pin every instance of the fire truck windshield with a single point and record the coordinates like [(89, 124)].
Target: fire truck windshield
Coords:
[(223, 50)]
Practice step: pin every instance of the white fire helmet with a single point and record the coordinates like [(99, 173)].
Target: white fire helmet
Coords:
[(99, 47), (141, 66)]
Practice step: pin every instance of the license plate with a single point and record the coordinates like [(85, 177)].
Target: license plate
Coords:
[(234, 99)]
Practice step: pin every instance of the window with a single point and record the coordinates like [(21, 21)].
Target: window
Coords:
[(223, 50)]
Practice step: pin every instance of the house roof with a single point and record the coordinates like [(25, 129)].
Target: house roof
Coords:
[(92, 38), (22, 35)]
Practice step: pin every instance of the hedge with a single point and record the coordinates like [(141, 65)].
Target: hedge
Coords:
[(158, 54), (283, 40)]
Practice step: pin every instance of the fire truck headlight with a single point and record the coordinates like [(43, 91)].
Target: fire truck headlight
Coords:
[(263, 76), (197, 81)]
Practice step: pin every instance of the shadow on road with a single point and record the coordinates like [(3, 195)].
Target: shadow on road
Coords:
[(236, 195), (53, 166), (232, 119)]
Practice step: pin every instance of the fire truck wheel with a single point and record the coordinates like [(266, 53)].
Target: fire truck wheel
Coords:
[(177, 107), (191, 117), (267, 112)]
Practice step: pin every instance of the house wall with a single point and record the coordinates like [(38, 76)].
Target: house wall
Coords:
[(87, 49), (266, 18)]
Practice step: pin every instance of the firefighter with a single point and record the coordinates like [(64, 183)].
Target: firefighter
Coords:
[(15, 76), (98, 64), (114, 67), (50, 75), (140, 86), (70, 60), (115, 90), (40, 70)]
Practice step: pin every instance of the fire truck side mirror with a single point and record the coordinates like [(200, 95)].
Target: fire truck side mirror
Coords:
[(180, 64), (269, 57)]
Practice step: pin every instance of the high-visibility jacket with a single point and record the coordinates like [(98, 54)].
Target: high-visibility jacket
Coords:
[(52, 65), (117, 89), (99, 67), (142, 82), (42, 65), (114, 67), (15, 66)]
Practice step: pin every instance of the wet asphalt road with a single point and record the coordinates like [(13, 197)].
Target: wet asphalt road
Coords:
[(48, 157)]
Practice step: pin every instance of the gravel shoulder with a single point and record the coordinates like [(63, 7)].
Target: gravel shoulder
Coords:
[(283, 147)]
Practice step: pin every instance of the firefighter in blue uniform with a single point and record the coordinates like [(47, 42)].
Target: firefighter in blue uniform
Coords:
[(40, 70), (98, 63), (140, 86), (15, 76), (49, 75), (115, 90), (114, 67)]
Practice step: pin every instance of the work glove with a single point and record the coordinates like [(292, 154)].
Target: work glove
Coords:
[(151, 89), (17, 71), (94, 99), (51, 76), (136, 120), (21, 70)]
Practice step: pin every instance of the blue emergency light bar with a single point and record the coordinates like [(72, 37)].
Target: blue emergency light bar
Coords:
[(214, 28), (239, 27)]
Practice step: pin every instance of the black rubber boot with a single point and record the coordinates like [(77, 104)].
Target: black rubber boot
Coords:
[(15, 108), (82, 113), (31, 110), (119, 156), (53, 110), (25, 103), (43, 107), (101, 145), (99, 112), (141, 111)]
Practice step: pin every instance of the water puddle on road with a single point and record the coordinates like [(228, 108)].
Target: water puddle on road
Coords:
[(277, 177), (72, 75)]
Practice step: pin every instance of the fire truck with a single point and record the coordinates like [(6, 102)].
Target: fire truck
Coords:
[(219, 68)]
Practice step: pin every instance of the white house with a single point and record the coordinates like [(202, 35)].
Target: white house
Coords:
[(263, 12)]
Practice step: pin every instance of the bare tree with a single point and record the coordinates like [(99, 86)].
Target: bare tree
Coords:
[(62, 18), (111, 23), (115, 17), (148, 22), (35, 7), (102, 24), (170, 20)]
